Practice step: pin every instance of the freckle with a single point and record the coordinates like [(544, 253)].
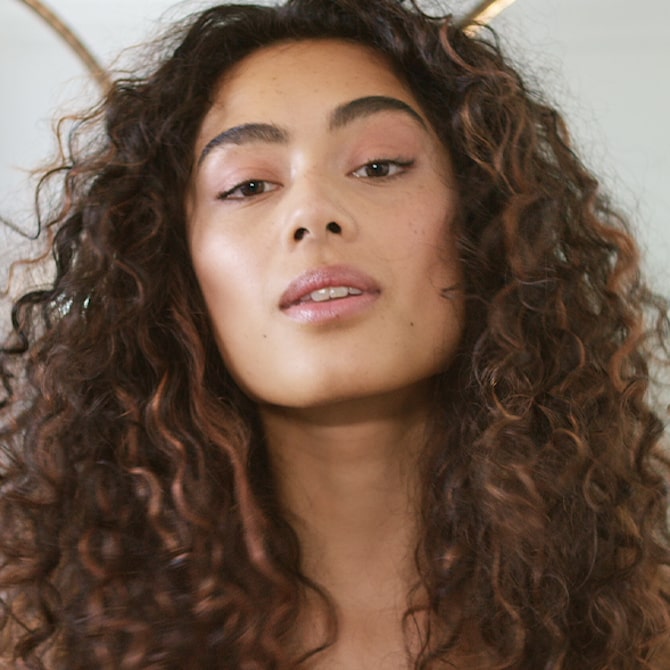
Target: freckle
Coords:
[(411, 323), (265, 337)]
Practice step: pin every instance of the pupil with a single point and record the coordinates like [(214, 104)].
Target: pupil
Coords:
[(253, 187), (378, 169)]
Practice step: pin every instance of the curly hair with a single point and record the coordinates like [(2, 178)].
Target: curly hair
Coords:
[(139, 523)]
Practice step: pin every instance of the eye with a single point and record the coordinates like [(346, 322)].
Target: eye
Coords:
[(381, 168), (248, 189)]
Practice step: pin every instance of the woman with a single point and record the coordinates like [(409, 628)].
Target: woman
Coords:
[(344, 366)]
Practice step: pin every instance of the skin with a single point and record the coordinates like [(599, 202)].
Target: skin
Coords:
[(343, 393)]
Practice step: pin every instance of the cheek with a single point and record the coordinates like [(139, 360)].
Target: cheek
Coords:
[(433, 272), (427, 242), (441, 233), (229, 281), (233, 275)]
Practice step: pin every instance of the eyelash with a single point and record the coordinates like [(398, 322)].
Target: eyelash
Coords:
[(227, 195), (402, 166)]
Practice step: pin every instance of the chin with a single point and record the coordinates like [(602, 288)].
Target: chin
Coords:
[(340, 396)]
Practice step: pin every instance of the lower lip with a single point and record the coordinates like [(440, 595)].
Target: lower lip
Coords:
[(330, 311)]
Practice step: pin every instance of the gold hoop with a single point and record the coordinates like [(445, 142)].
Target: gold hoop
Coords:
[(484, 12), (67, 34), (471, 24)]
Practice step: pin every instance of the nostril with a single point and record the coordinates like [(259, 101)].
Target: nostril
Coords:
[(333, 227), (300, 233)]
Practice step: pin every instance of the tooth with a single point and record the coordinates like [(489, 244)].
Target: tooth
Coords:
[(338, 292), (332, 293), (321, 295)]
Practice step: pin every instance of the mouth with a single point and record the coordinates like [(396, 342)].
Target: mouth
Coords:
[(327, 293), (331, 293)]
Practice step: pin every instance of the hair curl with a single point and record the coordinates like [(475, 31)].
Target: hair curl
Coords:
[(139, 528)]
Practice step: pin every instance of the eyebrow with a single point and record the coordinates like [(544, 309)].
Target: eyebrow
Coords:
[(340, 117), (245, 133), (372, 104)]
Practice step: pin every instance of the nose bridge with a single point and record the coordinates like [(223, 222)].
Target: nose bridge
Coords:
[(314, 206)]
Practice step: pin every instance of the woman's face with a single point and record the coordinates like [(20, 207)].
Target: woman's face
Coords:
[(320, 227)]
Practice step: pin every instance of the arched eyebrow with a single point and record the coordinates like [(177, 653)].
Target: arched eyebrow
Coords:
[(341, 116), (245, 133), (372, 104)]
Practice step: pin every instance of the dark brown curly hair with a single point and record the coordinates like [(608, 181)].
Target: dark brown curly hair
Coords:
[(139, 524)]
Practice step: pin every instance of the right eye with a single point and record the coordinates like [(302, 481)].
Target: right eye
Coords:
[(383, 168), (248, 189)]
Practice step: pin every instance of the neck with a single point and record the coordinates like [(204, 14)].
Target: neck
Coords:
[(347, 479)]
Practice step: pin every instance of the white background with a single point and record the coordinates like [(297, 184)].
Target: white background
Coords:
[(603, 62)]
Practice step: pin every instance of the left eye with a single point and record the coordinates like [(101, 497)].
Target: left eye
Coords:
[(248, 189), (378, 169)]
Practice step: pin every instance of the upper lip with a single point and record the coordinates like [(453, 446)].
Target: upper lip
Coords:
[(323, 277)]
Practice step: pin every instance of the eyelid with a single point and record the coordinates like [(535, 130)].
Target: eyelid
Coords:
[(228, 193), (403, 164)]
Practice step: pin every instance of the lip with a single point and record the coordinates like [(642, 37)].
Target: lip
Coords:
[(293, 304)]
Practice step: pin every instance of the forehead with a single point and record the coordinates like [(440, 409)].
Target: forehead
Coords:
[(325, 60), (318, 51), (286, 77)]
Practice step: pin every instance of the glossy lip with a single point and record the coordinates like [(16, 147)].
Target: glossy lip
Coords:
[(294, 305)]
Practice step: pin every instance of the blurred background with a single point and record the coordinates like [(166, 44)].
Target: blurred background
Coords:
[(602, 62)]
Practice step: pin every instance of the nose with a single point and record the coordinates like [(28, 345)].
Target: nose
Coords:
[(331, 227), (315, 211)]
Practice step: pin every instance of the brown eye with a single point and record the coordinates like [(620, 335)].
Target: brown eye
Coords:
[(252, 188), (248, 189), (379, 169)]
